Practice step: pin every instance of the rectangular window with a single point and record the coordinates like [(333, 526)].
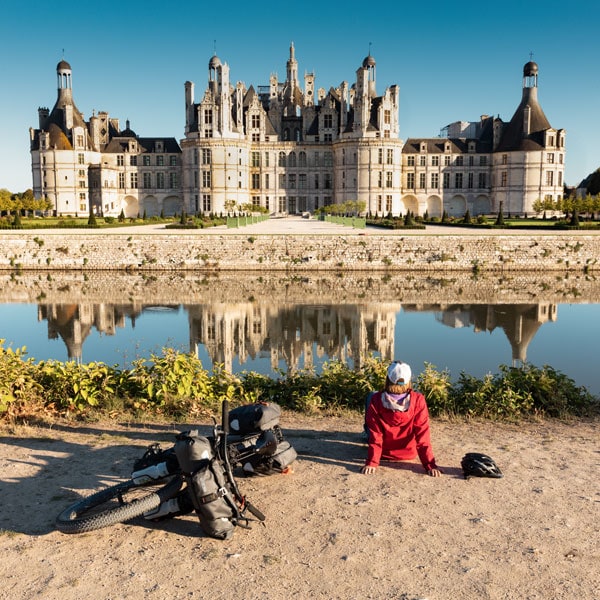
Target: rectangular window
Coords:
[(328, 159), (388, 204), (435, 160), (173, 160), (120, 160), (459, 161), (133, 178), (482, 180), (390, 156), (505, 159), (206, 156), (266, 159), (255, 181), (458, 180), (410, 161), (173, 180), (327, 181), (121, 180), (435, 180), (549, 177), (302, 181), (327, 121), (160, 161), (380, 178), (256, 137), (255, 121), (470, 180), (387, 116), (208, 117), (380, 156), (316, 181), (410, 181), (81, 172), (267, 183), (206, 203), (379, 203), (80, 140), (388, 179), (81, 159), (559, 182), (206, 179), (446, 180), (503, 178), (147, 180), (160, 181), (281, 180), (328, 137), (422, 160), (550, 157), (146, 160), (422, 177), (133, 161), (483, 161), (82, 184), (256, 159)]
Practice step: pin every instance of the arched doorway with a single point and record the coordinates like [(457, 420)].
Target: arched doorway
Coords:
[(150, 206), (410, 203), (482, 205), (434, 206), (456, 206), (131, 208)]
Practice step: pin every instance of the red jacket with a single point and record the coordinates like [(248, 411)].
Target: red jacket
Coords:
[(396, 435)]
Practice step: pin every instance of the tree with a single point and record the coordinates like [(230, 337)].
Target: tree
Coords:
[(467, 218), (500, 217)]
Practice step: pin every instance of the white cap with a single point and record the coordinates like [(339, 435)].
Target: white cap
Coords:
[(399, 373)]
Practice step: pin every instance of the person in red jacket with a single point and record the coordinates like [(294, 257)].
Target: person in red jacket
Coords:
[(397, 421)]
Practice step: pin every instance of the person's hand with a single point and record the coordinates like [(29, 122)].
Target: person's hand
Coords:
[(368, 470), (434, 472)]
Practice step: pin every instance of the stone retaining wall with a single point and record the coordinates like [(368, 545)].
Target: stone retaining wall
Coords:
[(349, 252)]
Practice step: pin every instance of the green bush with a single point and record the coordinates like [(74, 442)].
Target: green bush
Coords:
[(176, 385)]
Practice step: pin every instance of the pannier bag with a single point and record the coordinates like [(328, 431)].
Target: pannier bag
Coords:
[(278, 462), (206, 485), (254, 417)]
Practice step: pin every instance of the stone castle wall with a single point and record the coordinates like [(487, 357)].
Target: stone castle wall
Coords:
[(298, 253)]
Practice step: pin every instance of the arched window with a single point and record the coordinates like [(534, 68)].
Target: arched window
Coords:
[(286, 134), (302, 159), (282, 159), (292, 159), (297, 134)]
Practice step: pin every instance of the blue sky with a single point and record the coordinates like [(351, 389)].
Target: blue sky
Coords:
[(452, 61)]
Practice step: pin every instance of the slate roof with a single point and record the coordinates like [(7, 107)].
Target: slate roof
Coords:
[(513, 136)]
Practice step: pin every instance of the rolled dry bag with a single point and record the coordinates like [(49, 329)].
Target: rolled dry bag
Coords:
[(277, 462), (251, 418), (211, 497)]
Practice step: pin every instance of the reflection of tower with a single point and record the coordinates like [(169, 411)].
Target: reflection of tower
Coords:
[(520, 322), (74, 322), (293, 334)]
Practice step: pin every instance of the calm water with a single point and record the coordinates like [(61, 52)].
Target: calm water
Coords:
[(264, 336)]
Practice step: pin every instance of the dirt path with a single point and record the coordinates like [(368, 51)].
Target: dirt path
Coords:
[(330, 532)]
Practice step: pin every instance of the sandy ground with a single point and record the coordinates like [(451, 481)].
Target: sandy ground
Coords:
[(330, 531)]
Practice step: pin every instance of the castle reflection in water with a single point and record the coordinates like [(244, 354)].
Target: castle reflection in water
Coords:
[(296, 334)]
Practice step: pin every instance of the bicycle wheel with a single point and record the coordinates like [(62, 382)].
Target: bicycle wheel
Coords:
[(115, 504)]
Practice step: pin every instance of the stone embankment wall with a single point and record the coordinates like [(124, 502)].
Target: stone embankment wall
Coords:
[(354, 252)]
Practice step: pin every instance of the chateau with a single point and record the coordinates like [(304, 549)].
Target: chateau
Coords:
[(292, 148)]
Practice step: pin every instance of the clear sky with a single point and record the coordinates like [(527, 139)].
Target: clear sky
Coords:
[(453, 61)]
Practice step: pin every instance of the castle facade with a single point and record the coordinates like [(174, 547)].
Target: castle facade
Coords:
[(292, 148)]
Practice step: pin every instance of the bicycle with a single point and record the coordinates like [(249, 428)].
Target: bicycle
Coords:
[(157, 479)]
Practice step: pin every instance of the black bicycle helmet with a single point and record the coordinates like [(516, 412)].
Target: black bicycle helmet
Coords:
[(475, 464)]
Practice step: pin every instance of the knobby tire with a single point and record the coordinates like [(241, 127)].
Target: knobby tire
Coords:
[(115, 504)]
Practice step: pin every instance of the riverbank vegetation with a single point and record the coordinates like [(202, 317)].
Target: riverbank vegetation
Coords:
[(176, 386)]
